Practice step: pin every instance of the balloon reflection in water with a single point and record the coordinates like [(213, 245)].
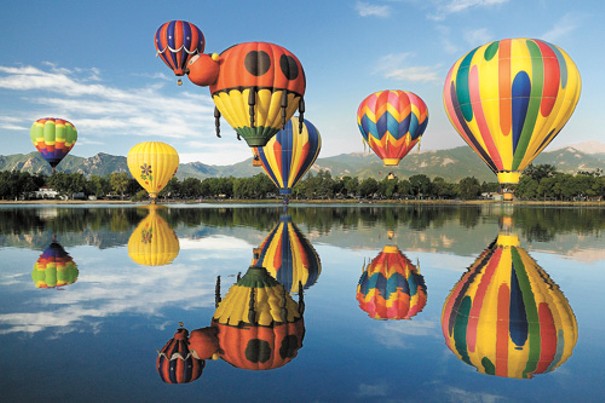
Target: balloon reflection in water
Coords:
[(175, 363), (391, 287), (506, 317), (54, 268), (153, 242), (288, 256), (258, 326)]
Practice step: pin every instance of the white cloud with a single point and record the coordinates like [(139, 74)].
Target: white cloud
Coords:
[(99, 110), (477, 37), (376, 390), (395, 66), (446, 8), (396, 334), (372, 10), (562, 28)]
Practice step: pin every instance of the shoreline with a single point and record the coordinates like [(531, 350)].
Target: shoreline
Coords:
[(320, 202)]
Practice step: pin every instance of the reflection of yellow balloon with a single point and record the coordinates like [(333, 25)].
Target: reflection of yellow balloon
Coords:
[(153, 164), (506, 317), (153, 242)]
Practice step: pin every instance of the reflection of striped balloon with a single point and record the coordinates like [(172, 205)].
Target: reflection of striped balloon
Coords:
[(54, 268), (506, 317), (176, 363), (176, 42), (392, 122), (391, 287), (289, 256), (508, 100), (53, 138), (289, 154), (259, 325)]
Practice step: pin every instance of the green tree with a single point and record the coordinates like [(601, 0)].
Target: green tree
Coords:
[(118, 181), (368, 187), (469, 188), (527, 188), (420, 185), (191, 188)]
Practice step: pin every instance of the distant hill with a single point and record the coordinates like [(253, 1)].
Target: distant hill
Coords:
[(452, 165)]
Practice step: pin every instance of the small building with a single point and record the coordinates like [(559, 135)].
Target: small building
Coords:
[(45, 193)]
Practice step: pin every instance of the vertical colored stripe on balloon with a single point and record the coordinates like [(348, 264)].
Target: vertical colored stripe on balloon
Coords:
[(531, 310), (520, 99), (548, 336), (533, 108), (462, 89), (551, 78), (503, 324), (486, 136), (480, 294), (456, 118), (504, 80)]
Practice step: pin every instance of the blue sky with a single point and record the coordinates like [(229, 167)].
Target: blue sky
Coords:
[(94, 64)]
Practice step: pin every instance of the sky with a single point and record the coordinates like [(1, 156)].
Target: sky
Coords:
[(94, 64)]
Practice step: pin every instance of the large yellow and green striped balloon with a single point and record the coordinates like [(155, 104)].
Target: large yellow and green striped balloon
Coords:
[(506, 317), (508, 100)]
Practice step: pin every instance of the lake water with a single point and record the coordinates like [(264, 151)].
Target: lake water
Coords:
[(329, 303)]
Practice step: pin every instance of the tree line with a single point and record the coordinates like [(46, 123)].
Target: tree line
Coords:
[(540, 182)]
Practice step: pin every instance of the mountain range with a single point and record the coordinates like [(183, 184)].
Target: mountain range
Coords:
[(452, 164)]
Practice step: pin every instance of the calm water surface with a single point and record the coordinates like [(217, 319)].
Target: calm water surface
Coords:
[(330, 303)]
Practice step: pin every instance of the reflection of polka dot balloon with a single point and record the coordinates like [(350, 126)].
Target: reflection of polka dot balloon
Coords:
[(258, 351)]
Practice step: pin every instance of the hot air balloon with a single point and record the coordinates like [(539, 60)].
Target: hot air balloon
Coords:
[(508, 100), (176, 42), (256, 87), (258, 325), (153, 242), (290, 154), (391, 287), (176, 363), (288, 256), (391, 123), (54, 268), (153, 164), (53, 138), (506, 317)]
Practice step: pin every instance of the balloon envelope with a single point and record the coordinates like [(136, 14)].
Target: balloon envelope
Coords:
[(175, 363), (53, 138), (257, 87), (288, 256), (153, 242), (259, 325), (153, 164), (391, 287), (506, 317), (176, 42), (392, 122), (508, 100), (54, 268), (290, 154)]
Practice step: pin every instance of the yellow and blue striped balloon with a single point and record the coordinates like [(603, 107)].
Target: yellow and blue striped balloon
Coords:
[(508, 100), (506, 317), (289, 154), (288, 256)]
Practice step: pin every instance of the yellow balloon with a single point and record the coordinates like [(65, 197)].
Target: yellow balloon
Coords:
[(153, 164), (153, 242)]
